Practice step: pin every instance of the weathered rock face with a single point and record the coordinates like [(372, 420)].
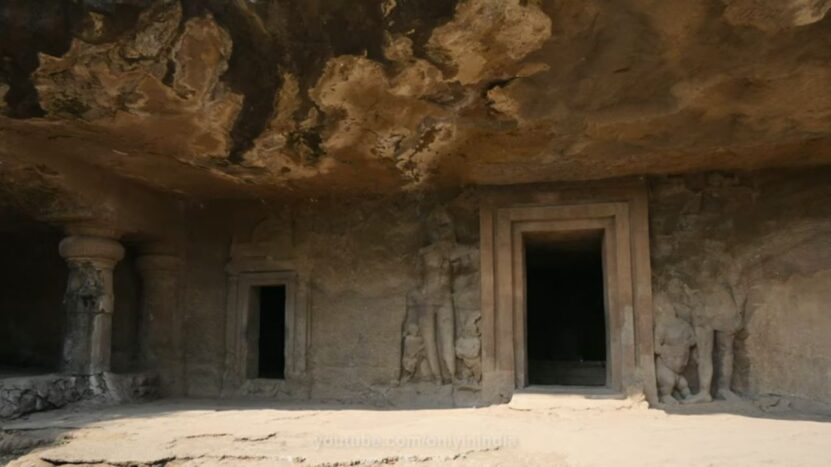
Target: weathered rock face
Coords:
[(185, 123), (239, 99), (125, 84), (775, 16), (768, 236), (22, 396), (25, 395)]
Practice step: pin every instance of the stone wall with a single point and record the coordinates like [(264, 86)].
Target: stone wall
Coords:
[(360, 258), (766, 237), (203, 296)]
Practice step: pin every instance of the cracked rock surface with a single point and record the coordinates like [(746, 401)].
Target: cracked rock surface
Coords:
[(562, 431)]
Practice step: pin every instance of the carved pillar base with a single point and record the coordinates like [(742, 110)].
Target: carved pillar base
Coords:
[(88, 302)]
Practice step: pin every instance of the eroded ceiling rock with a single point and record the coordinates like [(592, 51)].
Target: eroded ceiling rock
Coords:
[(36, 191), (251, 99), (280, 149), (405, 113), (163, 78), (486, 38), (385, 117), (775, 15)]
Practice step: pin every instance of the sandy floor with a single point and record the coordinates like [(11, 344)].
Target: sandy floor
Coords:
[(541, 431)]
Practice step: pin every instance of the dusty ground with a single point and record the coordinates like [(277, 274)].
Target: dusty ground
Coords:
[(563, 432)]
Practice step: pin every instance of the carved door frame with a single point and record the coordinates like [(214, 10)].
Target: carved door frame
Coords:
[(620, 212), (257, 264)]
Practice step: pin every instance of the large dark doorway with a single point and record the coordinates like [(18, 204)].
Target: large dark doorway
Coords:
[(566, 322), (272, 335)]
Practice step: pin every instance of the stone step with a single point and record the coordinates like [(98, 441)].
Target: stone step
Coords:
[(571, 398)]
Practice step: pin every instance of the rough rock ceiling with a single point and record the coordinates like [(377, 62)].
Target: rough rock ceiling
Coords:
[(234, 98)]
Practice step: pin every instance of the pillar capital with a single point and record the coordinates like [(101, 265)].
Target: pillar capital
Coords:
[(100, 251)]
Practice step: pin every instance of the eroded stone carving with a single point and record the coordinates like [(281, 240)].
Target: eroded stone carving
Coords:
[(716, 318), (85, 290), (705, 311), (430, 345), (412, 358), (270, 246), (85, 303), (468, 350), (674, 337)]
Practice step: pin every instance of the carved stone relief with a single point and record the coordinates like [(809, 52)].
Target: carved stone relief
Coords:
[(705, 310), (701, 292), (441, 330), (673, 340)]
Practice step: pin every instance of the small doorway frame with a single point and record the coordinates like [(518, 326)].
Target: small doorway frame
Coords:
[(240, 308), (264, 261), (621, 212), (250, 299)]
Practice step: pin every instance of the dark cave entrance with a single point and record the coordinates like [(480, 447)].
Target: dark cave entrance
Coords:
[(33, 280), (271, 361), (566, 317)]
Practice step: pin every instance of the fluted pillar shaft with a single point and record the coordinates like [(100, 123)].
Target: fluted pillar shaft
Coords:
[(88, 302)]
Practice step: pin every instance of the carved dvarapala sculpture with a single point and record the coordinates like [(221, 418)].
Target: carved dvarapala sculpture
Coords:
[(674, 337), (412, 358), (468, 349), (430, 306), (716, 317)]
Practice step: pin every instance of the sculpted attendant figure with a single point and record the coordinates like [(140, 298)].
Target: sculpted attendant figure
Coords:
[(436, 319), (674, 337), (432, 300), (716, 318)]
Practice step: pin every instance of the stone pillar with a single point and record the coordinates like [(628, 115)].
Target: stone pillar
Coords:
[(88, 302), (162, 346)]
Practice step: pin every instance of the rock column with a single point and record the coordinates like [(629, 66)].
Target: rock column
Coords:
[(161, 334), (88, 302)]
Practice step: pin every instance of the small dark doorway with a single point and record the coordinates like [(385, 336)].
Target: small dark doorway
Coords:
[(272, 332), (566, 322)]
